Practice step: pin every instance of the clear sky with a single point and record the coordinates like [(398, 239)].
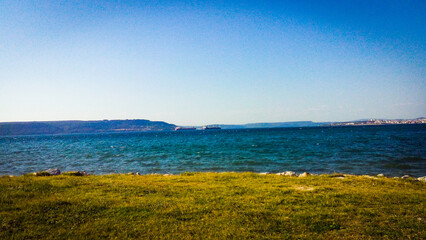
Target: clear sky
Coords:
[(205, 62)]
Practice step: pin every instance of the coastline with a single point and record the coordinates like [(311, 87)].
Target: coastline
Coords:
[(57, 172)]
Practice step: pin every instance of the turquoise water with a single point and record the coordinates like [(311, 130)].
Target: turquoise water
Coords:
[(392, 150)]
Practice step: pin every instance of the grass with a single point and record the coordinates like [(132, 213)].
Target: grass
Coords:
[(211, 206)]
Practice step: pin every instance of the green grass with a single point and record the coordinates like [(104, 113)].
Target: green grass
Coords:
[(211, 206)]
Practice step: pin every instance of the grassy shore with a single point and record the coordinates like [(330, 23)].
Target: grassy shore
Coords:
[(211, 206)]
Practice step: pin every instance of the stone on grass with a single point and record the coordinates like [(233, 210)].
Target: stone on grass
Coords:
[(305, 174), (75, 173), (406, 176), (53, 171), (380, 175), (287, 173), (337, 175), (42, 173), (423, 179)]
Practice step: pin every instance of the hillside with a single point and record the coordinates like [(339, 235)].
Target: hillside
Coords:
[(70, 127)]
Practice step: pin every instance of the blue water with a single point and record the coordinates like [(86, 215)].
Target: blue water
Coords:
[(392, 150)]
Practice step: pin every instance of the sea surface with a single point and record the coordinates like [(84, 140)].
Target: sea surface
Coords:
[(392, 150)]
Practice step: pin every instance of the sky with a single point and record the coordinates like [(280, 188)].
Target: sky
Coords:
[(207, 62)]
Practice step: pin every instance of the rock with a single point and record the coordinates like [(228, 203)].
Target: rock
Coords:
[(42, 173), (406, 176), (337, 175), (263, 173), (423, 179), (53, 171), (288, 173), (305, 174), (75, 173), (380, 175), (137, 173)]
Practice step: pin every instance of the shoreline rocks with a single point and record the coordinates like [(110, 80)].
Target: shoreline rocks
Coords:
[(288, 173), (55, 172), (423, 179), (305, 174), (76, 173)]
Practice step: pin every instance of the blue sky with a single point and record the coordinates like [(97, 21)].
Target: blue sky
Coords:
[(203, 62)]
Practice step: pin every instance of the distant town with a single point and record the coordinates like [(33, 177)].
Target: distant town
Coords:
[(381, 122)]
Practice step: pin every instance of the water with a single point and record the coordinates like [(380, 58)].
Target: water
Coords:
[(392, 150)]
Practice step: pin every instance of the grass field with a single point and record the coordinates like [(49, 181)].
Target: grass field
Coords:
[(211, 206)]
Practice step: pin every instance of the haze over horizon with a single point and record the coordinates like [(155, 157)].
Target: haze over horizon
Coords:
[(202, 62)]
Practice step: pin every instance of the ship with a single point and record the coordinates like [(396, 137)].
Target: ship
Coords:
[(184, 128), (211, 127)]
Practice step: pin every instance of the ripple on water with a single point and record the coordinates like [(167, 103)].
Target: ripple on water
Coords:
[(391, 149)]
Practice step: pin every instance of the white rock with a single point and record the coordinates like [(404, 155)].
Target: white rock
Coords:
[(305, 174), (406, 176), (53, 171), (290, 173), (380, 175), (423, 179)]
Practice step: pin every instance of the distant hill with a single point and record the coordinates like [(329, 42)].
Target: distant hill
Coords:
[(69, 127)]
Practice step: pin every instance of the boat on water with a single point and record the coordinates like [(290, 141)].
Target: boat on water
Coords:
[(184, 128), (211, 127)]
